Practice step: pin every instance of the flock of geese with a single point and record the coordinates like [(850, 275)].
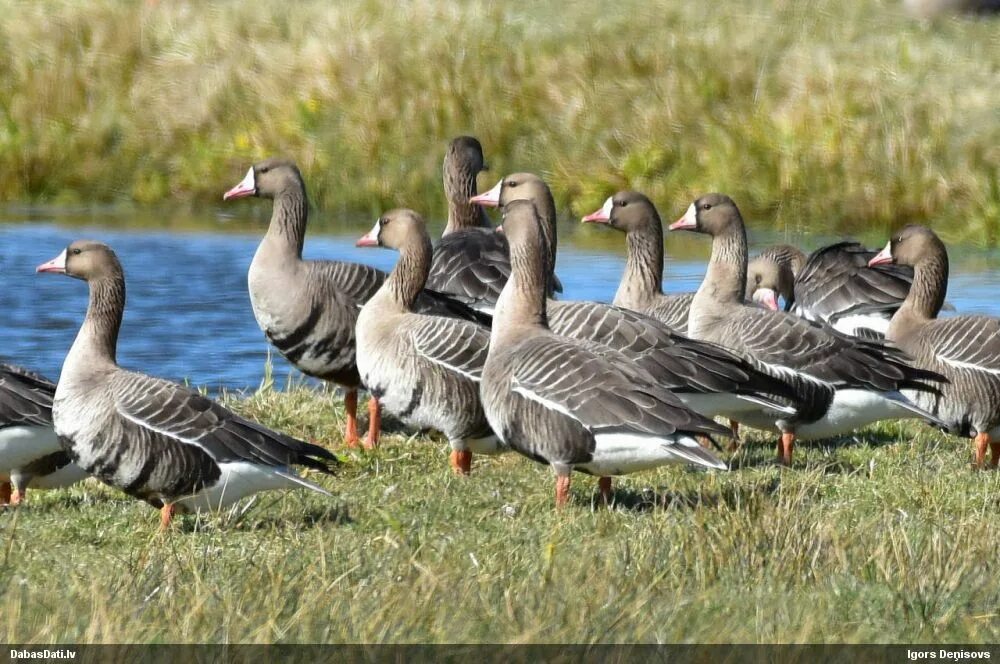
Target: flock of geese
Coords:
[(466, 337)]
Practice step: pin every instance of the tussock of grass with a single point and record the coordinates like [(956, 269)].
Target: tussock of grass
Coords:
[(844, 116), (890, 538)]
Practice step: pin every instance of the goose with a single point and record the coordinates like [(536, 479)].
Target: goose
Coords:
[(30, 454), (964, 349), (308, 308), (771, 274), (528, 186), (470, 262), (155, 440), (851, 382), (424, 369), (835, 285), (570, 404), (641, 287), (707, 378)]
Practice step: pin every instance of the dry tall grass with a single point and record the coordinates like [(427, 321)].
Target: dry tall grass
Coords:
[(828, 114)]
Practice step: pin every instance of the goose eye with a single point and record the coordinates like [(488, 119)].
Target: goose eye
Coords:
[(706, 206), (264, 169), (512, 183), (898, 239), (623, 203), (757, 279), (383, 221), (77, 251)]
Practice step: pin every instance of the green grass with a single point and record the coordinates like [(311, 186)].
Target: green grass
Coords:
[(889, 539), (843, 116)]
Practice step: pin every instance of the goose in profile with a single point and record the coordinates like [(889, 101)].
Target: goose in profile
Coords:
[(308, 309), (471, 261), (155, 440), (570, 404), (30, 454), (528, 186), (641, 287), (964, 349), (851, 382), (424, 369)]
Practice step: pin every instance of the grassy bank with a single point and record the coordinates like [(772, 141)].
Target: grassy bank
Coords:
[(833, 115), (875, 540)]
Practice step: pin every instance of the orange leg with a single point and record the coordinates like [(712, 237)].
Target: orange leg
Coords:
[(982, 440), (351, 406), (5, 493), (604, 484), (166, 514), (994, 454), (562, 490), (785, 446), (461, 461), (18, 496), (374, 423)]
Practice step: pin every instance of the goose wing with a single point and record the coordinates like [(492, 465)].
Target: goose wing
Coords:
[(602, 390), (456, 345), (786, 343), (836, 281), (25, 397), (471, 265), (163, 408), (678, 363), (967, 342)]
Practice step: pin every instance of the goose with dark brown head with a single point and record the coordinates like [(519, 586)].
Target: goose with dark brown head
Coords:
[(641, 287), (965, 349), (30, 453), (570, 404), (851, 382), (470, 261), (155, 440), (424, 369), (308, 309)]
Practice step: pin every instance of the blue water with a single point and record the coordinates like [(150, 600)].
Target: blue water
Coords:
[(188, 314)]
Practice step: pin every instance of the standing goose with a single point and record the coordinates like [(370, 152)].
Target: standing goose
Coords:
[(153, 439), (852, 382), (308, 308), (569, 404), (965, 349), (425, 369), (470, 262), (771, 274), (707, 378), (641, 287), (30, 454)]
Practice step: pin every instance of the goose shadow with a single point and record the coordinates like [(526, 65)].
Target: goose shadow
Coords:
[(647, 500)]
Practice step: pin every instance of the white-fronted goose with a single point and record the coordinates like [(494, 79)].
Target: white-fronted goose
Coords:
[(308, 308), (424, 369), (771, 274), (470, 262), (528, 186), (852, 382), (30, 454), (572, 405), (641, 287), (965, 349), (153, 439)]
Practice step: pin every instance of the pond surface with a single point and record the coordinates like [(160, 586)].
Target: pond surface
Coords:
[(188, 314)]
